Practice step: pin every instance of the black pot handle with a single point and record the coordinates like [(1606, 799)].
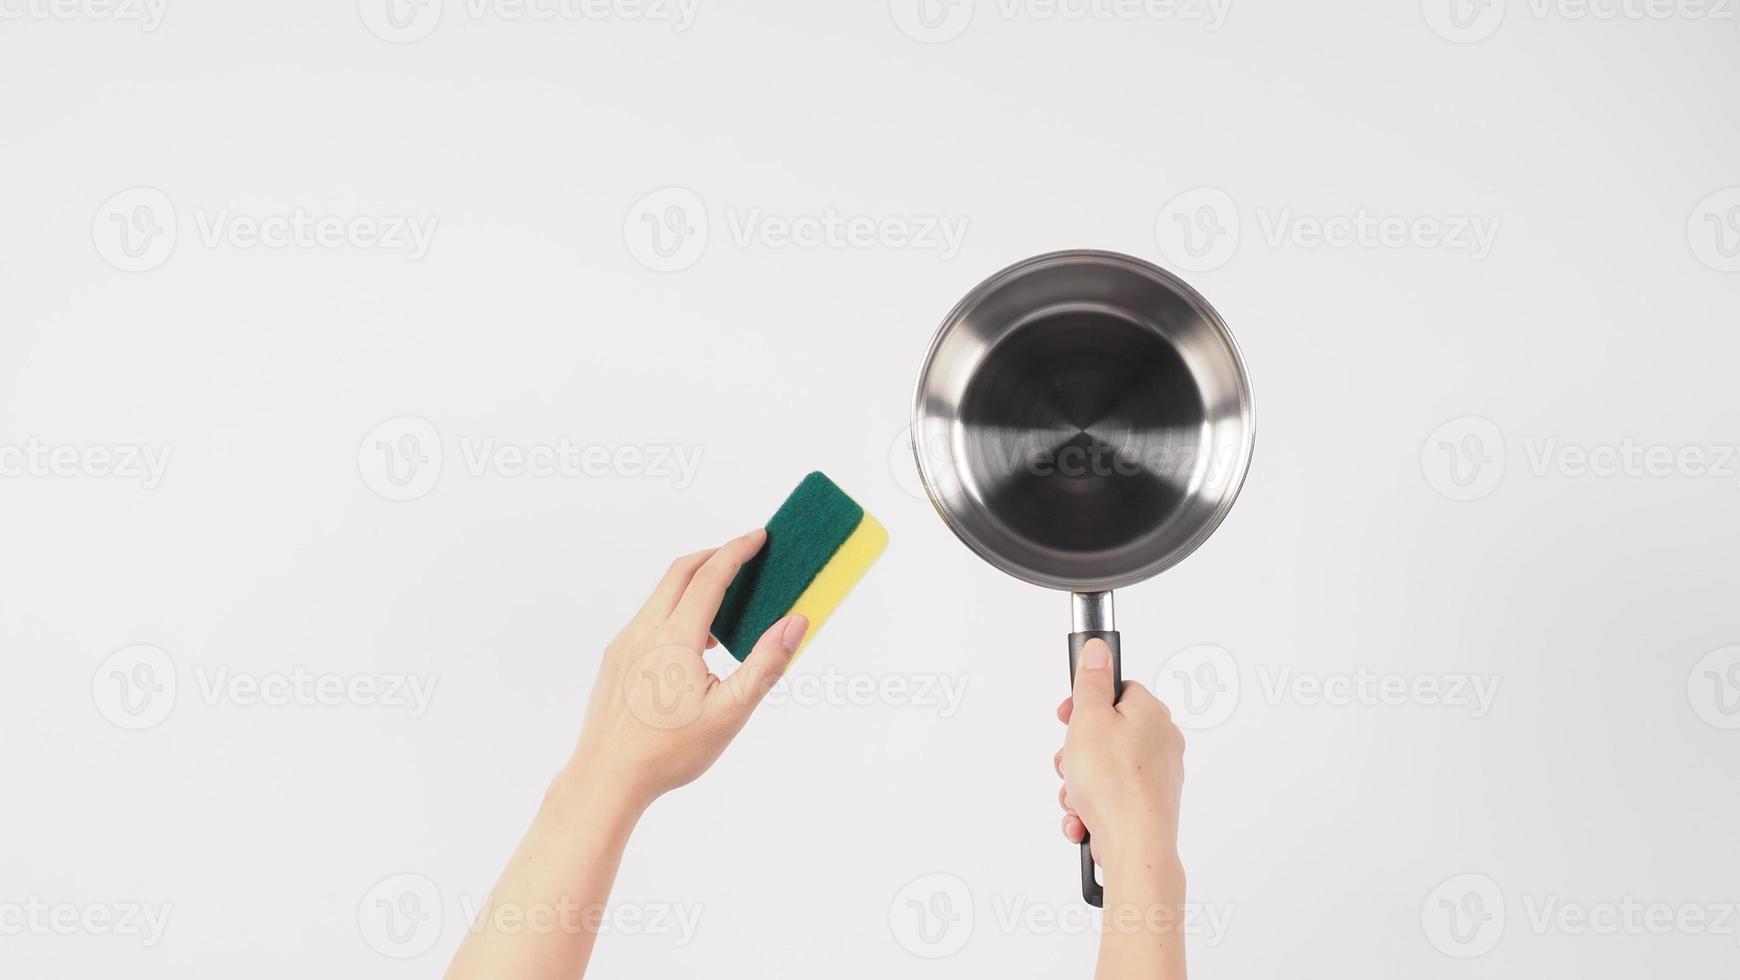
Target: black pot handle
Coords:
[(1092, 891)]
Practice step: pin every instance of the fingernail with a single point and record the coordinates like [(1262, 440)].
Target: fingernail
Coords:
[(1095, 656), (795, 628)]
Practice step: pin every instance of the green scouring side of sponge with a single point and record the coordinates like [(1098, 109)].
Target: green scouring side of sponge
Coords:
[(802, 537)]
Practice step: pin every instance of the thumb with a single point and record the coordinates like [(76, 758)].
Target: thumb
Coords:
[(765, 665), (1094, 690)]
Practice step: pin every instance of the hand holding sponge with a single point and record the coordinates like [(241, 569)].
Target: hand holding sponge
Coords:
[(819, 544)]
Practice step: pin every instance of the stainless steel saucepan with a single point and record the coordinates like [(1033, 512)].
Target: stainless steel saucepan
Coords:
[(1083, 421)]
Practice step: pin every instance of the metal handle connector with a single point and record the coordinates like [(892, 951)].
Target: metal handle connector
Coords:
[(1091, 612)]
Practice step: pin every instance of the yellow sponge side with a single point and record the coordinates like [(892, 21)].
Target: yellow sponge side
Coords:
[(828, 589)]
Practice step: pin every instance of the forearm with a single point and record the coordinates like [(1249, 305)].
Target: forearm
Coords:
[(542, 918), (656, 719), (1143, 935)]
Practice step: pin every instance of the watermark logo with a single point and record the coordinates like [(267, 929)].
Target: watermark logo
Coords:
[(932, 916), (1713, 230), (1713, 688), (1463, 459), (903, 462), (148, 14), (400, 459), (1463, 917), (401, 916), (1200, 684), (400, 21), (135, 229), (1463, 21), (135, 687), (932, 21), (1198, 229), (143, 921), (665, 687), (668, 230)]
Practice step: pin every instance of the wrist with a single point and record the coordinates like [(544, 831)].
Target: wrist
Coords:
[(1159, 864), (580, 792), (1137, 831), (1145, 851)]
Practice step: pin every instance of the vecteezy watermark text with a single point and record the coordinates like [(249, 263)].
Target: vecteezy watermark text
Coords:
[(1466, 459), (668, 230), (137, 687), (832, 687), (936, 915), (402, 459), (1466, 916), (677, 921), (1204, 686), (936, 21), (144, 921), (148, 14), (406, 21), (1201, 229), (138, 229), (1468, 21), (303, 688), (567, 458), (122, 461), (403, 915), (1212, 465)]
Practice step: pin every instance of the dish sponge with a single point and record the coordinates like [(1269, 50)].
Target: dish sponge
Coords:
[(819, 544)]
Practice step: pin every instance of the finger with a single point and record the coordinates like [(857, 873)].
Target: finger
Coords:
[(1133, 690), (1064, 709), (1137, 690), (1093, 678), (1064, 801), (689, 621), (1057, 763), (1073, 828), (736, 698), (712, 641), (1139, 698), (670, 588)]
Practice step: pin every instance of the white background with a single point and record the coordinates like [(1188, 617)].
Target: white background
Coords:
[(1393, 380)]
